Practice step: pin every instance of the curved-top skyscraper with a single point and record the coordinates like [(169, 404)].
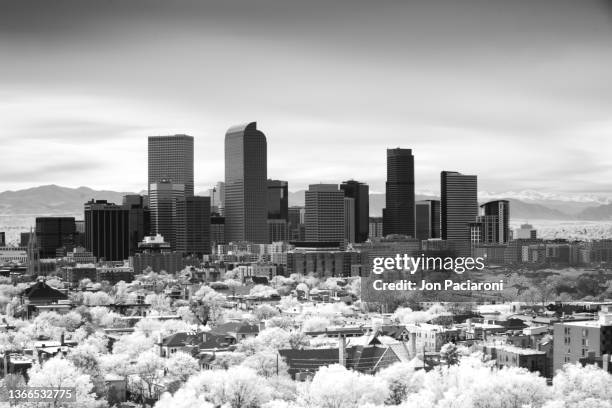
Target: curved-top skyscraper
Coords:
[(398, 214), (246, 174)]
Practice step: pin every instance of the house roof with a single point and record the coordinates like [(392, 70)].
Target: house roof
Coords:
[(40, 290), (201, 340), (236, 327), (360, 358)]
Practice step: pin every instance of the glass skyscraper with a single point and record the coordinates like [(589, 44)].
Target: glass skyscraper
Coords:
[(246, 174), (398, 214), (171, 158), (458, 209)]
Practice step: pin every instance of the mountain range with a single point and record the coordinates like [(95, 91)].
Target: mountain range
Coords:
[(57, 200)]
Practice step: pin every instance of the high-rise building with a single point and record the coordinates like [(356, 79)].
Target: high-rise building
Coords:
[(140, 219), (297, 229), (375, 227), (107, 230), (192, 225), (278, 200), (427, 219), (171, 158), (458, 209), (495, 215), (277, 230), (398, 214), (2, 239), (217, 230), (324, 216), (217, 198), (360, 193), (162, 199), (349, 219), (53, 233), (246, 174)]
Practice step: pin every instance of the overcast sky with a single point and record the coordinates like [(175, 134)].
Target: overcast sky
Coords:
[(517, 92)]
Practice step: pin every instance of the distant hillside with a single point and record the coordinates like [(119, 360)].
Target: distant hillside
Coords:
[(57, 200), (52, 200), (599, 213), (519, 210)]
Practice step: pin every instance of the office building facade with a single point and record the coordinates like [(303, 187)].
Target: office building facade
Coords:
[(398, 214), (192, 225), (162, 199), (359, 192), (53, 233), (324, 214), (171, 158), (107, 230), (458, 209), (245, 206), (140, 219), (427, 220)]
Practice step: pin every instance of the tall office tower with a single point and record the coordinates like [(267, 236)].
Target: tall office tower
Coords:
[(297, 230), (217, 230), (53, 233), (171, 158), (278, 210), (458, 209), (360, 193), (375, 227), (278, 200), (79, 233), (398, 214), (217, 197), (277, 230), (324, 216), (496, 217), (162, 199), (246, 174), (140, 219), (349, 219), (427, 219), (2, 239), (107, 230), (192, 225)]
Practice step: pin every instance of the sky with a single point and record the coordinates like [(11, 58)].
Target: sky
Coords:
[(518, 92)]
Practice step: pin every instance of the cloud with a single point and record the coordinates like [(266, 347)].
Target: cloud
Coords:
[(515, 92)]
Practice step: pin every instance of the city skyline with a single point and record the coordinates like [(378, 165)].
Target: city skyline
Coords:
[(518, 78)]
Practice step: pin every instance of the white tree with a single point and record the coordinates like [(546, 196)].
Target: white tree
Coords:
[(575, 384), (266, 363), (181, 366), (59, 373), (337, 387)]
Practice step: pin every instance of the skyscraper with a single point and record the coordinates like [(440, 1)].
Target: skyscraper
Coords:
[(246, 173), (162, 199), (140, 219), (171, 158), (278, 200), (427, 219), (107, 230), (349, 219), (458, 209), (278, 210), (324, 216), (192, 225), (360, 193), (297, 230), (53, 233), (217, 194), (398, 214), (496, 217)]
